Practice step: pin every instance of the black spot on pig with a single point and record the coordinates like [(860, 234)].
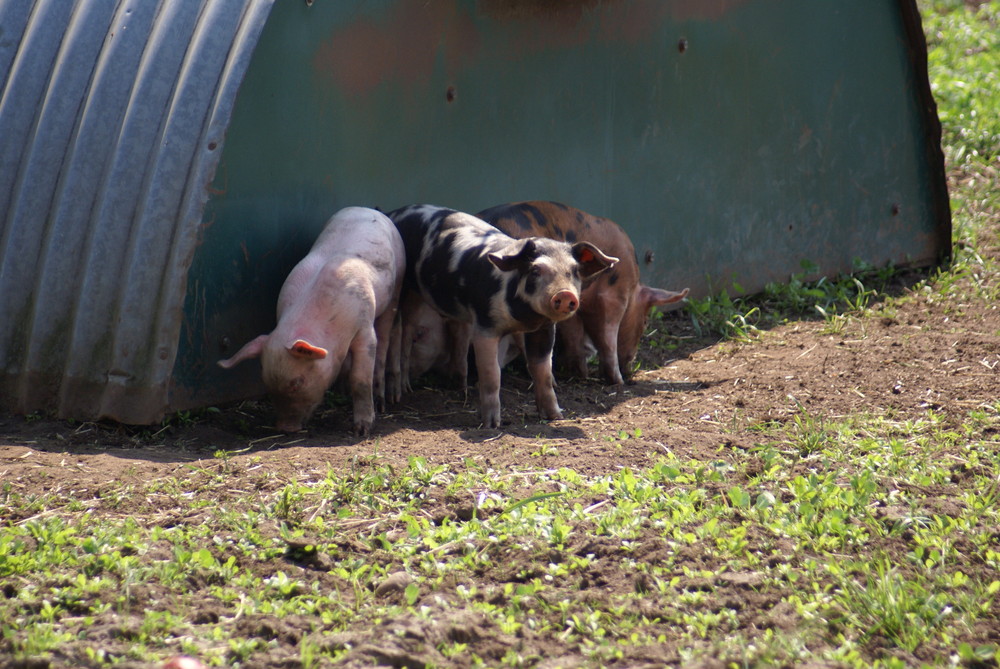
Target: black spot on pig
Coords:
[(521, 310)]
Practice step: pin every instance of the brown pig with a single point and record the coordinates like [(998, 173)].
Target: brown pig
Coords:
[(614, 306), (338, 304)]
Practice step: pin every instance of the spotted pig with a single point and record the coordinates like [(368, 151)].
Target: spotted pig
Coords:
[(614, 307), (470, 272)]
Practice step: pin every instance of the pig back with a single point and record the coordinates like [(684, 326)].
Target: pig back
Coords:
[(447, 262), (565, 223), (362, 246)]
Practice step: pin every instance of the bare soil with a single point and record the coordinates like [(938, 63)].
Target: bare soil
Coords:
[(691, 395), (696, 396)]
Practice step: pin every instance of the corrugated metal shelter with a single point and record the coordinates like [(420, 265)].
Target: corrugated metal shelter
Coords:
[(112, 117), (733, 139)]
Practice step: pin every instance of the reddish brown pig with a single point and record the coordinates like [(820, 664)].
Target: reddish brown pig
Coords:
[(337, 305), (614, 306)]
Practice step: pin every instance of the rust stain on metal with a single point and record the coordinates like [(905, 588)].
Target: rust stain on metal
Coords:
[(401, 47), (554, 24), (573, 10), (534, 9), (557, 24), (702, 10)]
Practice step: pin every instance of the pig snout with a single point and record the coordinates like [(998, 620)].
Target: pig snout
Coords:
[(565, 302)]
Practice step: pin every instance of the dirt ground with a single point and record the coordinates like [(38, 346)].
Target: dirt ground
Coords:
[(690, 397), (693, 396)]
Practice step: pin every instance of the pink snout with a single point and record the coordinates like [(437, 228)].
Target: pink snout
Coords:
[(565, 302)]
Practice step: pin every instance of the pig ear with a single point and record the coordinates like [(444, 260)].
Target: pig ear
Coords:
[(303, 349), (592, 260), (657, 297), (511, 261), (251, 349)]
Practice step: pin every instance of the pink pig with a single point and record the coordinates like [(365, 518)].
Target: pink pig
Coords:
[(337, 305)]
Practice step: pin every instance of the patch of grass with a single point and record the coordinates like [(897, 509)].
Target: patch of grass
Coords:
[(964, 63), (964, 67), (910, 610), (742, 317), (535, 551)]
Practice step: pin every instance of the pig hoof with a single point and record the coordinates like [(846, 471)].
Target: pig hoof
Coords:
[(395, 392), (491, 420), (363, 429)]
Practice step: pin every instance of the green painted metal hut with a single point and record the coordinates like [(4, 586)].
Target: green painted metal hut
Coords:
[(163, 165)]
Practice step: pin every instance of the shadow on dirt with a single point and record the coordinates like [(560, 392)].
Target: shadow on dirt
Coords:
[(435, 406)]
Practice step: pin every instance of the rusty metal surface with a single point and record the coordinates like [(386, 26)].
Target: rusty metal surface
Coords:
[(112, 117)]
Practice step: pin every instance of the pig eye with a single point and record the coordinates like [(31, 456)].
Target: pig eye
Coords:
[(535, 271)]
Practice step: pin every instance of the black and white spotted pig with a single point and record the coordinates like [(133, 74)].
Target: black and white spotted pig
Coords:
[(614, 307), (472, 273)]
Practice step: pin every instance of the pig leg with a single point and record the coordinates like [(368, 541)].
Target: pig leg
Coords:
[(605, 338), (411, 302), (383, 335), (489, 379), (461, 336), (538, 351), (602, 328), (573, 338), (364, 349), (606, 343), (393, 378)]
